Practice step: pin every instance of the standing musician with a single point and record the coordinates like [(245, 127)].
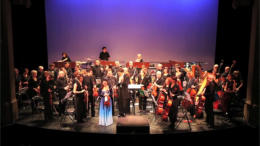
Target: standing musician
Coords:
[(116, 68), (123, 100), (159, 68), (112, 81), (209, 93), (89, 84), (166, 73), (61, 87), (46, 88), (239, 84), (104, 55), (65, 57), (68, 70), (97, 72), (33, 88), (79, 91), (229, 90), (226, 72), (172, 90), (144, 79)]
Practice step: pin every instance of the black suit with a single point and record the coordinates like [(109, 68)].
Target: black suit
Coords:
[(89, 81)]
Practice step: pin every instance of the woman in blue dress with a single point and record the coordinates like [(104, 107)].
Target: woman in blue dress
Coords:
[(105, 107)]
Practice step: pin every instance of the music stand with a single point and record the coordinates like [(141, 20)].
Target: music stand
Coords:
[(184, 111), (134, 88)]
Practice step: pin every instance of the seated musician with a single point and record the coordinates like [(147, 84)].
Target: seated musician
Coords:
[(139, 58), (159, 82), (144, 79), (104, 55), (65, 57), (24, 80)]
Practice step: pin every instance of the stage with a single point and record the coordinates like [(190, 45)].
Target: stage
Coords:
[(157, 126)]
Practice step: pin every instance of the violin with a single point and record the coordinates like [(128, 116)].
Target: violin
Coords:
[(95, 92)]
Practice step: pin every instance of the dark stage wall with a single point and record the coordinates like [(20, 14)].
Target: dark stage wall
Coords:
[(183, 30)]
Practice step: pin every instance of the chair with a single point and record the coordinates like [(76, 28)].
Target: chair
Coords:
[(69, 110)]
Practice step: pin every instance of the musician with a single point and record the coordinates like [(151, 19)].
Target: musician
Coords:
[(229, 90), (33, 88), (159, 68), (116, 68), (166, 73), (97, 70), (65, 57), (24, 80), (40, 73), (144, 79), (226, 72), (79, 91), (46, 88), (105, 108), (234, 66), (131, 69), (139, 58), (123, 81), (104, 55), (214, 70), (159, 82), (239, 83), (17, 80), (173, 91), (61, 87), (89, 84), (112, 81), (68, 70), (209, 93), (53, 72)]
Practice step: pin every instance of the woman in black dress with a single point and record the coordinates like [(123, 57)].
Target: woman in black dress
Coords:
[(79, 91)]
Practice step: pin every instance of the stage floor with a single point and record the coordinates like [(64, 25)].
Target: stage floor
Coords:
[(157, 126)]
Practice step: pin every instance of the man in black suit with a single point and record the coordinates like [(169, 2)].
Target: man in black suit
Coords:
[(104, 55)]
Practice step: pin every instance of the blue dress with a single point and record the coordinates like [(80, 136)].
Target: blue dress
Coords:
[(105, 112)]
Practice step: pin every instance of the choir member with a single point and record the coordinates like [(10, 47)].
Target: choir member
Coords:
[(124, 102), (104, 55), (105, 107), (79, 91)]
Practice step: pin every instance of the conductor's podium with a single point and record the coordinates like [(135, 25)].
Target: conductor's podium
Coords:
[(131, 124)]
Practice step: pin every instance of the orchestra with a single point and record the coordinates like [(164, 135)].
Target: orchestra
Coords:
[(108, 85)]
